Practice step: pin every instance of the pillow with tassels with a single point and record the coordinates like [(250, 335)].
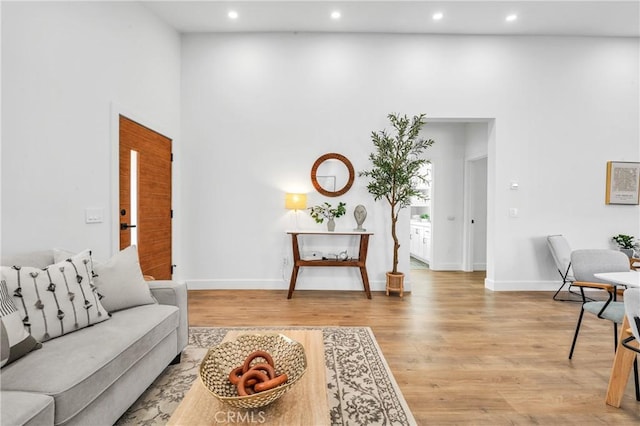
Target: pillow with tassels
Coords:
[(58, 299)]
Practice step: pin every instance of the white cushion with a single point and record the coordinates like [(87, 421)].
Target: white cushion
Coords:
[(57, 299), (121, 282), (60, 254), (15, 342)]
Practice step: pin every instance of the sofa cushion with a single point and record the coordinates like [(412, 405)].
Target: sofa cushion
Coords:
[(121, 282), (15, 342), (76, 368), (25, 408), (58, 299), (37, 258)]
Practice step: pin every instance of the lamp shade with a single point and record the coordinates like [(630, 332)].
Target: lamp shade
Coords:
[(295, 201)]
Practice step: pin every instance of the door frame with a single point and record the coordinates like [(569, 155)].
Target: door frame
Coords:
[(115, 113), (490, 155)]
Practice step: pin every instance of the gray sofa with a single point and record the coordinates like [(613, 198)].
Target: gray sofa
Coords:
[(91, 376)]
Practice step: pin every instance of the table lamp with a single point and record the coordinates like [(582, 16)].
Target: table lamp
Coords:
[(295, 202)]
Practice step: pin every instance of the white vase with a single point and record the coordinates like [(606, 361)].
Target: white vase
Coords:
[(331, 225), (628, 252)]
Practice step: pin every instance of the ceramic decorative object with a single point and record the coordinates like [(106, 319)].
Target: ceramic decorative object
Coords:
[(331, 225), (360, 213), (288, 357)]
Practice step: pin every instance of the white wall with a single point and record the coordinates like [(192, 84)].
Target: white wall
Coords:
[(447, 194), (478, 212), (64, 67), (477, 138), (476, 151), (258, 109)]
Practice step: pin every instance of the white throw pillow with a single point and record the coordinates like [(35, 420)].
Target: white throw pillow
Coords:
[(58, 299), (60, 254), (121, 283), (15, 342)]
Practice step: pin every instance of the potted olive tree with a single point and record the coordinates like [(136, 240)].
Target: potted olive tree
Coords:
[(395, 174)]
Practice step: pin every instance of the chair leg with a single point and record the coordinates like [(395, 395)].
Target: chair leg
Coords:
[(575, 336), (558, 291), (569, 293), (635, 374), (615, 336)]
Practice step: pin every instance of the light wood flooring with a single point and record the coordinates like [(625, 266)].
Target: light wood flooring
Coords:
[(460, 354)]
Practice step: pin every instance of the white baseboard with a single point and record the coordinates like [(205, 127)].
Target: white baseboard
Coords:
[(445, 267), (521, 285), (350, 285), (274, 284), (235, 284)]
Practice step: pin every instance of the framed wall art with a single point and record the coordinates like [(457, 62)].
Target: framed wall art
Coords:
[(623, 183)]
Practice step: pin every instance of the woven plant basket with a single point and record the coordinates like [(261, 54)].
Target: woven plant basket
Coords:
[(395, 283)]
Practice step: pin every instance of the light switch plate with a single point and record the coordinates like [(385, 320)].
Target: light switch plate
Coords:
[(94, 215)]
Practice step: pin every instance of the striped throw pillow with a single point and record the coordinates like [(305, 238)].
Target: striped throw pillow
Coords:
[(16, 342)]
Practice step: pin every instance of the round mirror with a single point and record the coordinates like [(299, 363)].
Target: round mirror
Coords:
[(332, 174)]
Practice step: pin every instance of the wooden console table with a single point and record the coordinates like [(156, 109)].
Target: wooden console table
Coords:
[(356, 263)]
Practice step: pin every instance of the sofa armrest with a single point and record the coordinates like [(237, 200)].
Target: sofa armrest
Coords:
[(174, 293)]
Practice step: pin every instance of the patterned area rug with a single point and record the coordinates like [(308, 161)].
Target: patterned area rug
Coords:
[(360, 387)]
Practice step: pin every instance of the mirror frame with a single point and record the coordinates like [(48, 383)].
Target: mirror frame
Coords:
[(322, 159)]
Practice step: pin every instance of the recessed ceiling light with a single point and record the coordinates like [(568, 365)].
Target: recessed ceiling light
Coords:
[(437, 16), (511, 18), (336, 14), (232, 14)]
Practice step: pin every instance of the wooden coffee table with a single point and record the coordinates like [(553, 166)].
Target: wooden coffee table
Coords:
[(306, 403)]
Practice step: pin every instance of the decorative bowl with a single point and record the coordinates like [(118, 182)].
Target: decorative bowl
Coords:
[(288, 357)]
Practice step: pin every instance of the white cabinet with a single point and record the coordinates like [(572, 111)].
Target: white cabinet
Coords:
[(416, 247), (426, 243), (420, 241)]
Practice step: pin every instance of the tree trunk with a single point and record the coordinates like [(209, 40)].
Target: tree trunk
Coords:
[(396, 244)]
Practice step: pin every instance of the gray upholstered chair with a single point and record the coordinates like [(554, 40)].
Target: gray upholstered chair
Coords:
[(587, 262), (561, 252)]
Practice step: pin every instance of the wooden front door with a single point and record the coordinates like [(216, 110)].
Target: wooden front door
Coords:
[(145, 196)]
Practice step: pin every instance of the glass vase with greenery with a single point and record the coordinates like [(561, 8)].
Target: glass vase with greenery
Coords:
[(326, 211)]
